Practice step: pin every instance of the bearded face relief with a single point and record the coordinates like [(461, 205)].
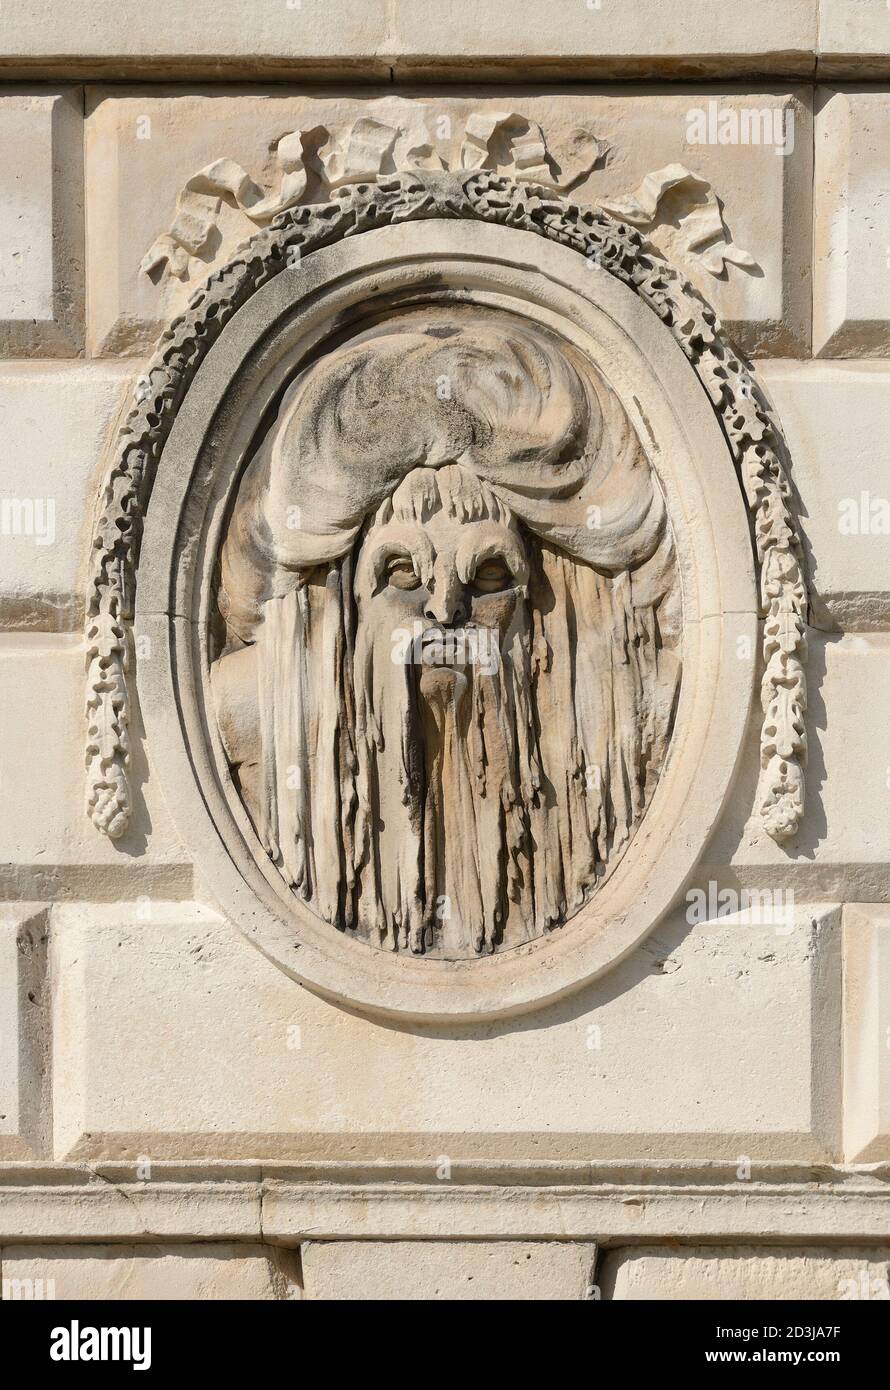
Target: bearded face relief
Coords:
[(449, 637), (441, 591)]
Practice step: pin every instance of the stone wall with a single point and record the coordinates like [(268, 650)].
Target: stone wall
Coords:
[(179, 1117)]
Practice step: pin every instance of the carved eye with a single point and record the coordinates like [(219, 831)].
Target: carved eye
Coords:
[(492, 576), (400, 573)]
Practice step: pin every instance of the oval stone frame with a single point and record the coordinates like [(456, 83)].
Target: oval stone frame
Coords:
[(216, 424), (706, 425)]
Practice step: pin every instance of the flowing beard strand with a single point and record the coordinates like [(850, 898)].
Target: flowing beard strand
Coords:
[(442, 853)]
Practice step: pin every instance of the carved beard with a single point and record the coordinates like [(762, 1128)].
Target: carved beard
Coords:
[(440, 828), (456, 812)]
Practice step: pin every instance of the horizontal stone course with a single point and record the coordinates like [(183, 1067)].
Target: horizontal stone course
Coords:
[(854, 39), (293, 35), (834, 38), (286, 1203)]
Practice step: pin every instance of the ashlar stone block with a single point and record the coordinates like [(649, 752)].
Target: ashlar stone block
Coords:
[(214, 1270), (867, 1032), (24, 1034), (54, 423), (714, 1273), (453, 1270), (851, 232), (226, 1055), (841, 850), (833, 415), (41, 222), (51, 850), (854, 39)]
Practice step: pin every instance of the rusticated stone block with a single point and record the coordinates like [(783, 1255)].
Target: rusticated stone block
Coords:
[(213, 1270), (458, 1270), (830, 411), (851, 233), (163, 1072), (24, 1034), (744, 1272), (50, 848), (841, 850), (867, 1032), (41, 223), (49, 480)]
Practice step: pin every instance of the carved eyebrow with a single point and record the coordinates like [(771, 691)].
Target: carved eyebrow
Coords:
[(498, 544), (417, 549)]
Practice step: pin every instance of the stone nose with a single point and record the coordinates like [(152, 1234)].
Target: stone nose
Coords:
[(446, 604)]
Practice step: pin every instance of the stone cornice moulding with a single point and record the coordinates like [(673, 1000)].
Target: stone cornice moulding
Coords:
[(606, 245), (285, 1203), (394, 40)]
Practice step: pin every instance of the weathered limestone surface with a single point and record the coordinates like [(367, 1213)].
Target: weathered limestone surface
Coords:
[(745, 1272), (78, 1205), (403, 1270), (684, 43), (123, 38), (146, 1271), (41, 221)]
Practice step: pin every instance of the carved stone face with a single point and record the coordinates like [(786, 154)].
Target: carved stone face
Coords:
[(443, 593)]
